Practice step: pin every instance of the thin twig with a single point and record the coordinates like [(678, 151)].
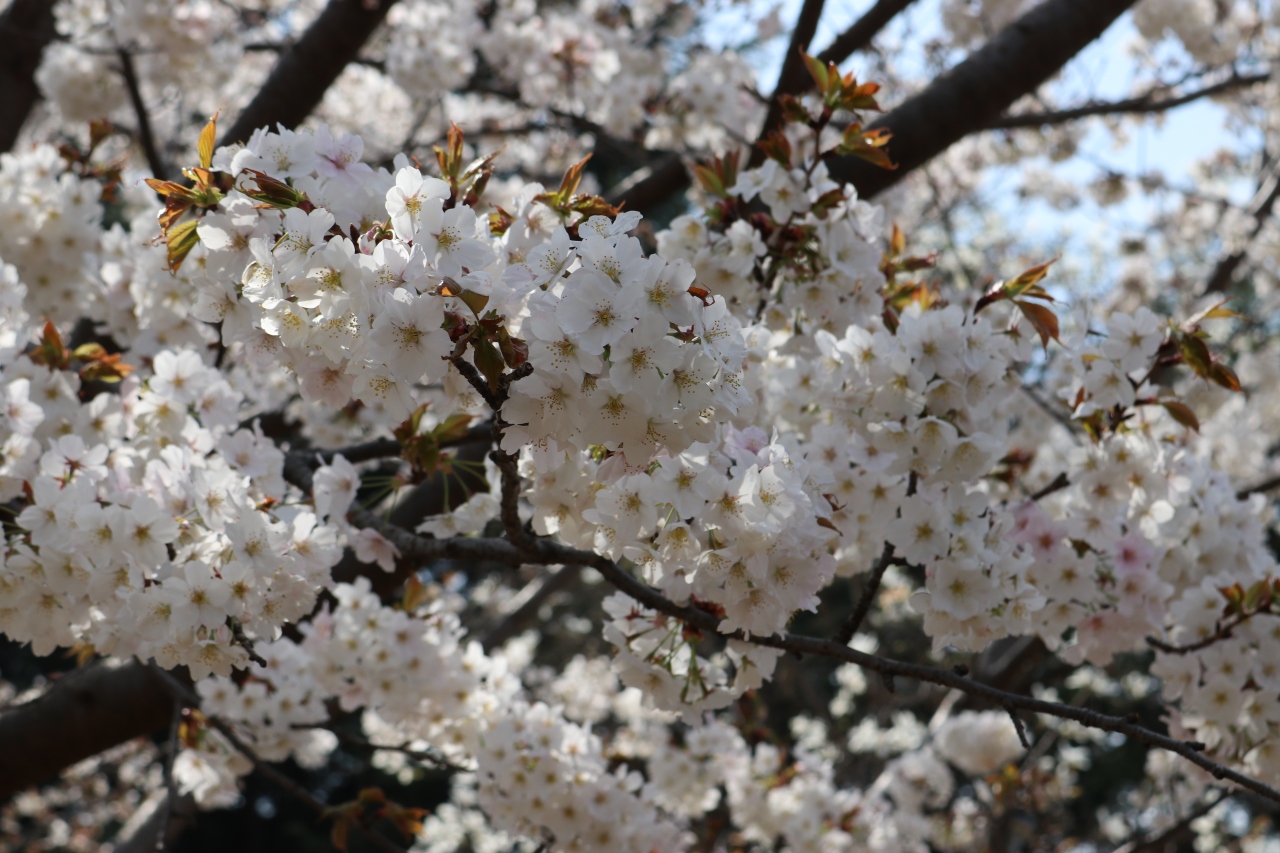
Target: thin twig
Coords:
[(145, 137), (1022, 729), (875, 576), (545, 551), (1259, 488), (1058, 483), (1151, 102), (1141, 845), (1223, 631), (1260, 207), (425, 756), (242, 640)]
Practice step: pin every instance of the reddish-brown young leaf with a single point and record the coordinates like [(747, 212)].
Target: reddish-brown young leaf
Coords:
[(1224, 376), (1042, 318), (1182, 413)]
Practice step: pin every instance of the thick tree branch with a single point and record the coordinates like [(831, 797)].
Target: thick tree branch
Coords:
[(859, 34), (794, 77), (80, 715), (25, 28), (1152, 102), (966, 99), (1014, 63), (309, 67)]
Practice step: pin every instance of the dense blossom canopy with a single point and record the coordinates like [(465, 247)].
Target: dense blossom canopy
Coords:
[(296, 446)]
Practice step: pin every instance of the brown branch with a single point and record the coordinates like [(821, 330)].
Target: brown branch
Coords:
[(891, 669), (26, 27), (160, 825), (1222, 632), (425, 756), (859, 35), (1161, 841), (1260, 207), (1057, 484), (528, 611), (145, 137), (1151, 102), (854, 622), (547, 552), (1259, 488), (966, 99), (794, 77), (308, 68), (80, 715)]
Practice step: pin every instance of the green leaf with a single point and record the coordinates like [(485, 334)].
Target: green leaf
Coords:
[(1025, 282), (181, 240), (488, 361), (475, 301), (817, 70), (205, 145), (452, 428), (1195, 354)]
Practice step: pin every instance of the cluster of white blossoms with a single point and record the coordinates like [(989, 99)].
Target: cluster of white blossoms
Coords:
[(736, 419), (50, 226), (149, 523), (422, 685), (538, 770)]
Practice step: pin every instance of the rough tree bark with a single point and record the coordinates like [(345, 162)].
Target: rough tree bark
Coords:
[(308, 68), (25, 28)]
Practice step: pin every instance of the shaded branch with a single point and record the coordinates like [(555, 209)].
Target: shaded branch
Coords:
[(794, 77), (1151, 102), (26, 27), (308, 68), (1259, 488), (515, 621), (548, 552), (859, 35), (1057, 484), (145, 137), (854, 622), (80, 715), (1161, 842), (1260, 207), (966, 99), (191, 699), (156, 823)]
